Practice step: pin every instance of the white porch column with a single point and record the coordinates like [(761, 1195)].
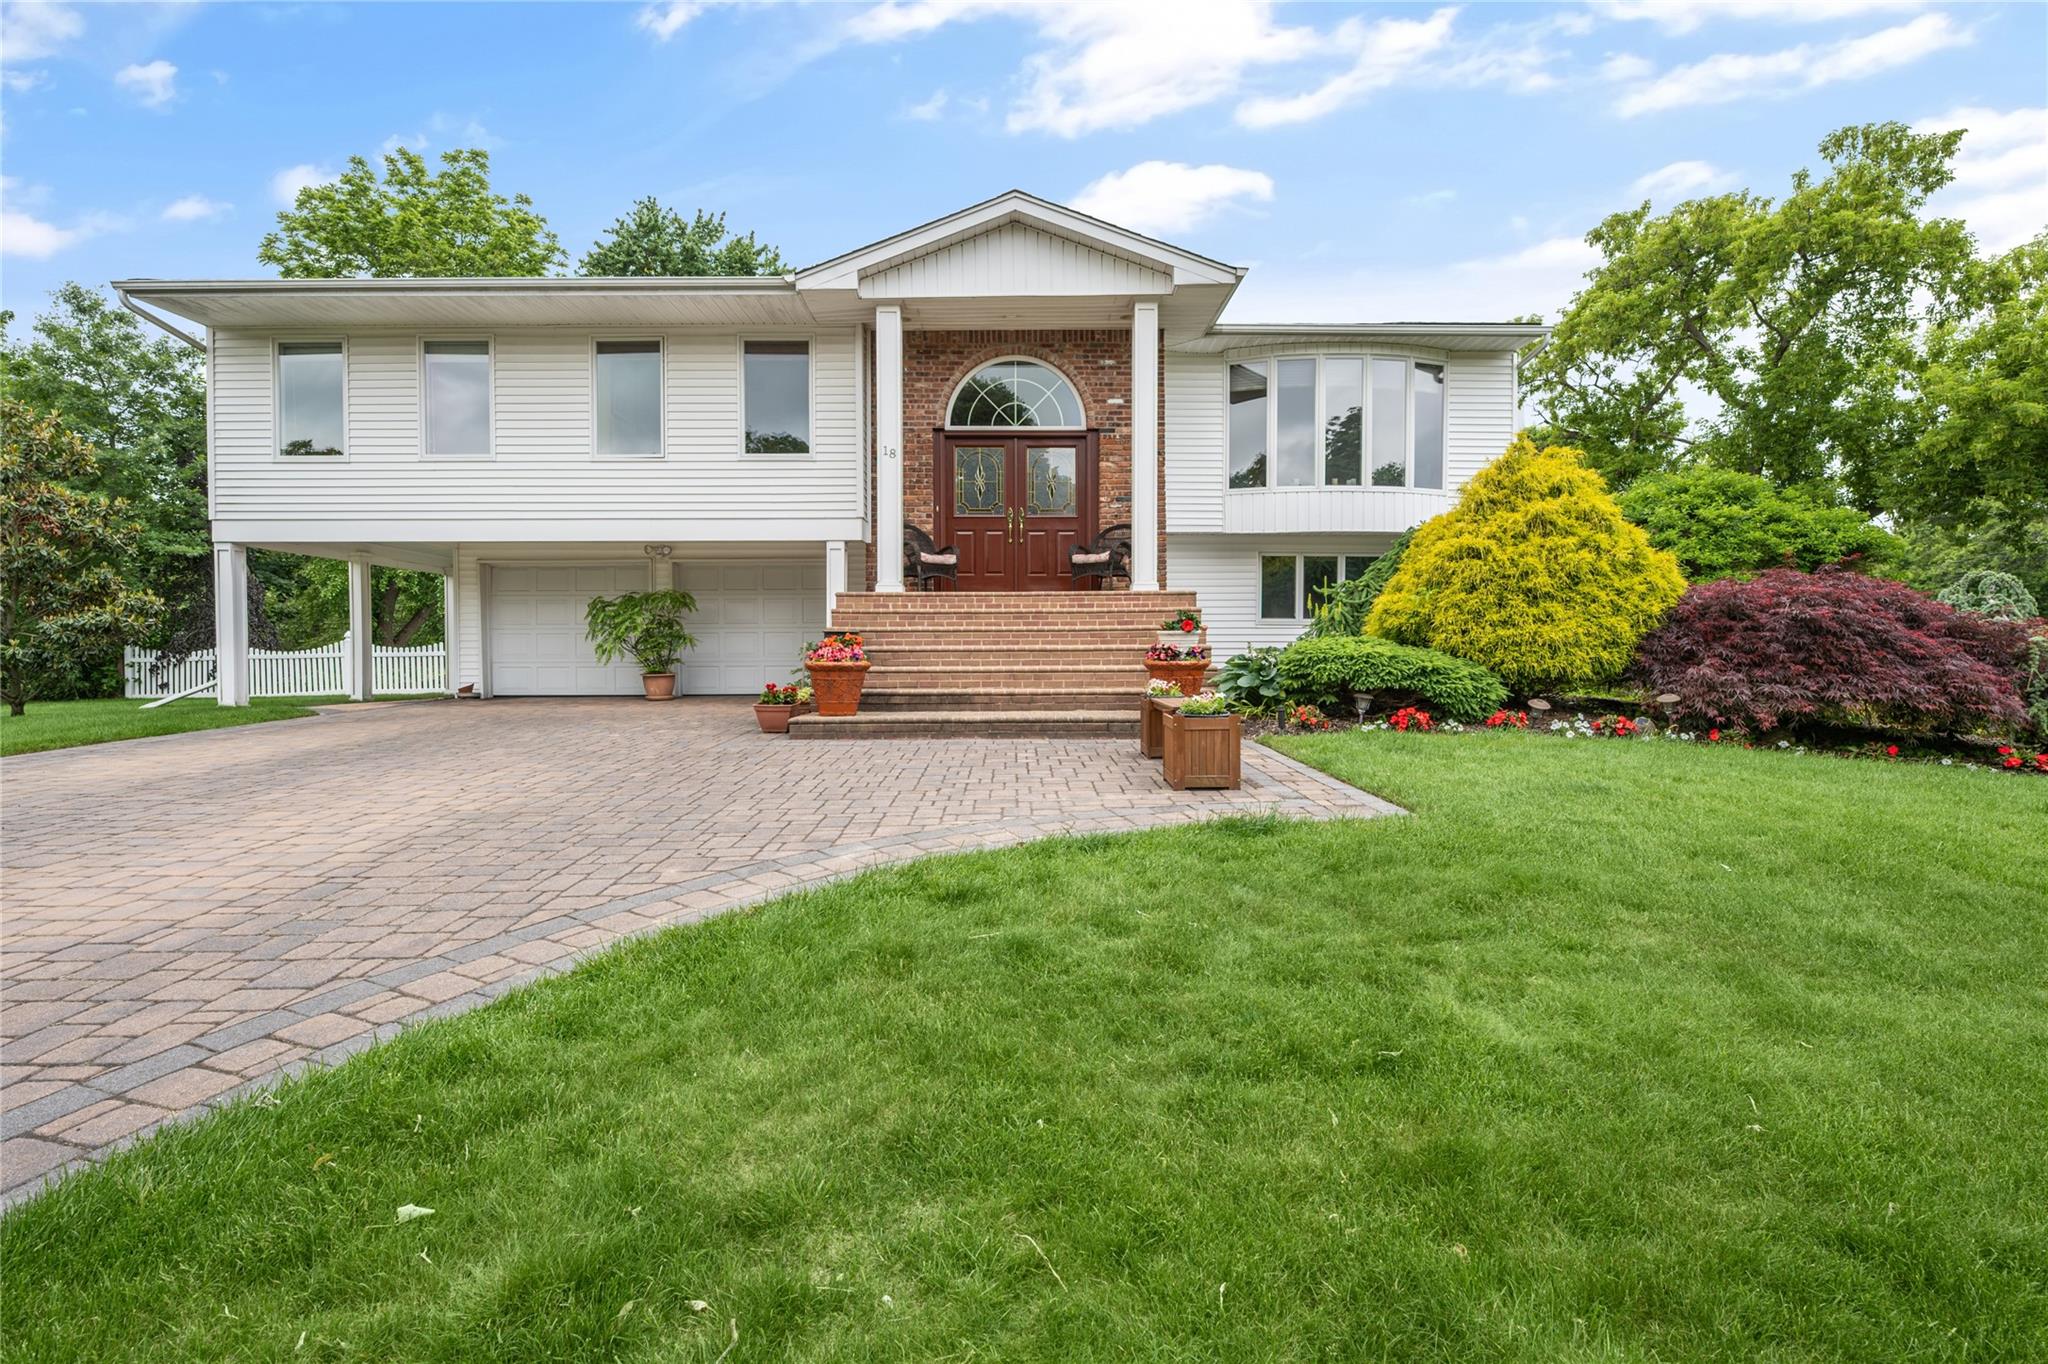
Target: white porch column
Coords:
[(835, 575), (359, 660), (451, 637), (230, 624), (888, 449), (1145, 448)]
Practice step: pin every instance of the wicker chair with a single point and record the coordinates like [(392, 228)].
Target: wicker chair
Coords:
[(924, 561), (1107, 556)]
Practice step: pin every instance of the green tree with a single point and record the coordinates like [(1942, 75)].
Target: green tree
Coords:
[(1792, 320), (1981, 460), (1724, 524), (1534, 574), (140, 402), (415, 223), (62, 594), (652, 240), (405, 605)]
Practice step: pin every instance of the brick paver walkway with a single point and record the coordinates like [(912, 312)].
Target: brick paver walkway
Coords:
[(188, 917)]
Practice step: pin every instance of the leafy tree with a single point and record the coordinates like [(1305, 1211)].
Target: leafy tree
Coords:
[(1937, 555), (1724, 524), (62, 595), (405, 605), (141, 403), (1981, 459), (415, 223), (1834, 648), (1534, 574), (1792, 318), (652, 240)]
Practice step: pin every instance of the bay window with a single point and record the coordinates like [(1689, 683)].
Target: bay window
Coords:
[(1335, 421)]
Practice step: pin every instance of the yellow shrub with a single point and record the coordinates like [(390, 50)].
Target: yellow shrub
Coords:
[(1534, 574)]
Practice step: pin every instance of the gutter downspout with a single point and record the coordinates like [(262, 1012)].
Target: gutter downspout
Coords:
[(147, 316)]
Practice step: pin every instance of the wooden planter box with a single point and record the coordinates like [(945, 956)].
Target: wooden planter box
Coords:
[(1152, 724), (1202, 751)]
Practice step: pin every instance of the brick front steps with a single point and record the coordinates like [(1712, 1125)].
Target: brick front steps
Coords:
[(998, 664)]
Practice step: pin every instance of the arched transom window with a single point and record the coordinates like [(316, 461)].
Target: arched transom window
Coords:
[(1007, 393)]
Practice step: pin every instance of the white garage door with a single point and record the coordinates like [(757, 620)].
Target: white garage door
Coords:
[(752, 619)]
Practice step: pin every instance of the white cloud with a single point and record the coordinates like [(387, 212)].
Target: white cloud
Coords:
[(928, 111), (155, 83), (1669, 184), (1537, 279), (24, 234), (666, 20), (194, 208), (286, 184), (1729, 76), (1435, 198), (1622, 68), (30, 32), (1683, 16), (1169, 196), (21, 82), (417, 142), (2001, 170), (1387, 51)]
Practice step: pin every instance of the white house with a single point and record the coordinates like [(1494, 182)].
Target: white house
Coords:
[(1013, 380)]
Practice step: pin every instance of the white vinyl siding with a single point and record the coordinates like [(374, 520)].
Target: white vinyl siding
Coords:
[(1193, 425), (1479, 419), (542, 470), (1014, 260)]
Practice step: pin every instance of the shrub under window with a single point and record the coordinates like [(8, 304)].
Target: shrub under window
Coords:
[(1332, 670)]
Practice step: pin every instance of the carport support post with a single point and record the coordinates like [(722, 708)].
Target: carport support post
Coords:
[(230, 624), (450, 635), (835, 575), (360, 660)]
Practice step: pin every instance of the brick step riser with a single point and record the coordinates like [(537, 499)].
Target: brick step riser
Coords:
[(909, 726), (943, 655), (994, 620), (985, 698), (1167, 599)]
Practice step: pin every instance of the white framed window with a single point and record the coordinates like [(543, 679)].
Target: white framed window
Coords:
[(775, 397), (1012, 392), (625, 396), (310, 392), (1292, 585), (457, 410), (1334, 421)]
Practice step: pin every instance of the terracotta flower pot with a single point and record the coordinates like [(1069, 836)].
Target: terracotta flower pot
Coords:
[(659, 686), (835, 687), (774, 719), (1186, 674)]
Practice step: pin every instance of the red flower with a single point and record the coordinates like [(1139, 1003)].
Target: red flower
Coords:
[(2041, 761), (2013, 760), (1187, 627), (2005, 750), (1713, 736), (1891, 750)]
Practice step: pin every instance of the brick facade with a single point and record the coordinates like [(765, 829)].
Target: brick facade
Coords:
[(1097, 360)]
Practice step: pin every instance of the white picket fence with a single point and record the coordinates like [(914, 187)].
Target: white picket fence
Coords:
[(295, 672)]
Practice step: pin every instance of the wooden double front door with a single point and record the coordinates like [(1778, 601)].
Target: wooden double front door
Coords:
[(1015, 507)]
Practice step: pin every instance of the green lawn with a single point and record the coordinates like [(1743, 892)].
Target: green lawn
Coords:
[(67, 724), (1613, 1051)]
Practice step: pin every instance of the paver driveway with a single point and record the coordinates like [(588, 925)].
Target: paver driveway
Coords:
[(186, 917)]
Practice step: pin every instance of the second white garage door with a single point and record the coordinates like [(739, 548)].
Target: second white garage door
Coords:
[(752, 619)]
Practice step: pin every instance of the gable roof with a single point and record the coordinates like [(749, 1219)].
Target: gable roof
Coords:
[(844, 271)]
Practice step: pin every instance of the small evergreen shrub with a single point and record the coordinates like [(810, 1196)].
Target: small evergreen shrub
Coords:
[(1725, 524), (2034, 683), (1344, 607), (1332, 669), (1535, 575), (1834, 648), (1987, 592)]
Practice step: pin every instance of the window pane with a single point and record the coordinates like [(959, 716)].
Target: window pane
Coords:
[(1050, 489), (458, 397), (628, 398), (1356, 564), (778, 388), (1343, 421), (1390, 423), (1276, 586), (1318, 572), (309, 389), (1248, 426), (1429, 426), (1016, 393), (1297, 436)]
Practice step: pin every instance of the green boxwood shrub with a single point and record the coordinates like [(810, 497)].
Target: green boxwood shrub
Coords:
[(1328, 670)]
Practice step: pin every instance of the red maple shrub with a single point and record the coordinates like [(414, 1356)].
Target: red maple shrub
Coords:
[(1831, 647)]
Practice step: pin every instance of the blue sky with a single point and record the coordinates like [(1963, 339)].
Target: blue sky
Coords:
[(1368, 162)]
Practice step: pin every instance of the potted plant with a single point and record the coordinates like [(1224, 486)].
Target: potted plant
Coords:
[(648, 627), (1160, 697), (1203, 738), (838, 666), (1185, 667), (1182, 628), (778, 704)]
